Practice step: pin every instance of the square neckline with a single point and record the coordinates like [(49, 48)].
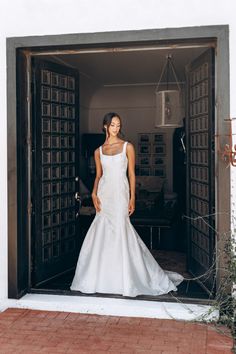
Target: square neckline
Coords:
[(119, 153)]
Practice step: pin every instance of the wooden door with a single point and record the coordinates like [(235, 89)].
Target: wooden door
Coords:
[(201, 171), (55, 230)]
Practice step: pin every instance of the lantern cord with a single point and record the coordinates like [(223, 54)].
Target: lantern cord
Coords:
[(166, 68)]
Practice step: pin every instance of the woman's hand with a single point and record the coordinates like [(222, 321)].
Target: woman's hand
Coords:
[(131, 206), (96, 202)]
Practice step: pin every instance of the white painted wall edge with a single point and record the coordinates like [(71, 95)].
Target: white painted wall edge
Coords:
[(113, 307)]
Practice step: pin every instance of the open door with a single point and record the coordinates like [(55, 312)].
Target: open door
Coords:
[(55, 159), (200, 171)]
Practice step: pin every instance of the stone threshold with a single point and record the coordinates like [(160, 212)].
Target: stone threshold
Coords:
[(113, 307)]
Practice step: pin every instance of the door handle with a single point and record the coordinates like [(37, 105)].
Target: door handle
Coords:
[(78, 198)]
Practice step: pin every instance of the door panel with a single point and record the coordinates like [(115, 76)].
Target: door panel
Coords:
[(55, 229), (200, 158)]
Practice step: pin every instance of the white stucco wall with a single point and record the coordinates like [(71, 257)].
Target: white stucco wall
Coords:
[(44, 17)]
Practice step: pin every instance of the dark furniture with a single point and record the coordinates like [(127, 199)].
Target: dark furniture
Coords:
[(161, 224), (154, 214)]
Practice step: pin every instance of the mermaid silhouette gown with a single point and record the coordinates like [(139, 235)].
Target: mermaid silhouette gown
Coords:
[(113, 258)]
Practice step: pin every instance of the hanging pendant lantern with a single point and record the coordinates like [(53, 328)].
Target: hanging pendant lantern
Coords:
[(168, 100)]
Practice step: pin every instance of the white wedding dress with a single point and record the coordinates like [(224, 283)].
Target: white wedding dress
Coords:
[(113, 258)]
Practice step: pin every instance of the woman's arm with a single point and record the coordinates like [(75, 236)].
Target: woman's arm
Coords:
[(98, 165), (131, 174)]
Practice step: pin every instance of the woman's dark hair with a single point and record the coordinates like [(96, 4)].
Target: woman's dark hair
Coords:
[(107, 121)]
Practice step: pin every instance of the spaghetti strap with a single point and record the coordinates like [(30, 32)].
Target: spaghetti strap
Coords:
[(101, 150), (124, 147)]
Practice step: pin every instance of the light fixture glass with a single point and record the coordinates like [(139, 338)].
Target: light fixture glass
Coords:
[(168, 97)]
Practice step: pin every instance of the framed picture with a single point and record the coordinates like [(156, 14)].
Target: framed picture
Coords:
[(159, 149), (144, 149), (158, 160), (159, 138), (144, 171), (144, 138), (144, 160), (159, 171)]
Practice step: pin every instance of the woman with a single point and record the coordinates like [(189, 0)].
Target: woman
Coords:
[(113, 258)]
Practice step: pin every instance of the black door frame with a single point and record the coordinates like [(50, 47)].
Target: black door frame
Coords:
[(19, 51)]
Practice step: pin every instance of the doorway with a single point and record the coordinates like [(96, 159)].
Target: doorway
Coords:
[(81, 66), (67, 119)]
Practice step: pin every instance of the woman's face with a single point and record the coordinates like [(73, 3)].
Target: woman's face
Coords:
[(114, 128)]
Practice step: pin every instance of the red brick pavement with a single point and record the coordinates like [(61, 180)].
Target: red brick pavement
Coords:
[(28, 331)]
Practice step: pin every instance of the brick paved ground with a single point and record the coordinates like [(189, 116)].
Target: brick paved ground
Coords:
[(27, 331)]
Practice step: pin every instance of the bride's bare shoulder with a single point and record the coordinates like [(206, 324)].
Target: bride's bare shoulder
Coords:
[(130, 146), (97, 152)]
